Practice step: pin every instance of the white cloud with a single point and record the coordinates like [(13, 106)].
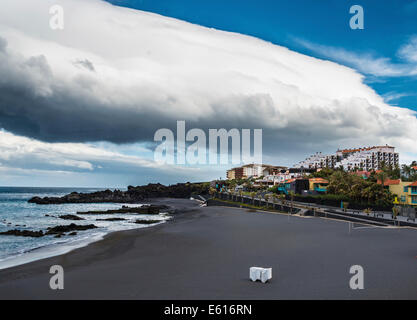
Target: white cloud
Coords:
[(409, 50), (368, 63), (22, 152), (116, 74), (391, 96)]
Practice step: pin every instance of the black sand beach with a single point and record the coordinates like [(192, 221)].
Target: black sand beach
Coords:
[(205, 253)]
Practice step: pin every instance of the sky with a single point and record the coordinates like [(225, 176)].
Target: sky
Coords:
[(319, 29), (80, 106)]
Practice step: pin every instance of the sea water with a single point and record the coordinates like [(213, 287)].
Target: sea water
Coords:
[(17, 213)]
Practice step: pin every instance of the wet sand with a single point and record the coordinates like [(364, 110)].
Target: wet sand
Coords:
[(205, 253)]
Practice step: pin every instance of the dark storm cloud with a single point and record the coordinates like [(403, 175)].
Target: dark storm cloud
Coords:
[(3, 44), (36, 103), (85, 64)]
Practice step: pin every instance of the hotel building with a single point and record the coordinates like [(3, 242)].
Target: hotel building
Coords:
[(369, 158), (253, 171)]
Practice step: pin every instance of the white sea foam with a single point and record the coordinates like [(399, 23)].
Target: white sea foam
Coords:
[(60, 247), (17, 213)]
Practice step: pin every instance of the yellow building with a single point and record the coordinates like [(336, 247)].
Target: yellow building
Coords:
[(405, 192), (318, 184)]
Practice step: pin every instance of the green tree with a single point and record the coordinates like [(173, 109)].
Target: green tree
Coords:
[(324, 173), (274, 199), (252, 195), (282, 198), (382, 177), (267, 197), (367, 211), (406, 172), (292, 194), (360, 190)]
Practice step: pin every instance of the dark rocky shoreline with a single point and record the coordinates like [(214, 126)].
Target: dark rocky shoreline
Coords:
[(147, 221), (23, 233), (70, 217), (58, 231), (71, 229), (132, 195), (151, 209)]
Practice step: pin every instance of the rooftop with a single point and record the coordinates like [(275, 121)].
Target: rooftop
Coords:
[(363, 149), (319, 180), (390, 182)]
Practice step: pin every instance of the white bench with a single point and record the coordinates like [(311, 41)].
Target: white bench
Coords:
[(262, 274)]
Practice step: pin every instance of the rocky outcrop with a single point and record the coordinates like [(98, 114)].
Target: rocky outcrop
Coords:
[(147, 221), (69, 228), (58, 231), (23, 233), (70, 217), (95, 197), (132, 195), (152, 209)]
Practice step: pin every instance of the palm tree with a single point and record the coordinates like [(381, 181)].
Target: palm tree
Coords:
[(282, 198), (413, 172), (274, 199), (232, 185), (406, 171), (267, 200), (292, 199), (212, 191), (338, 183), (382, 176), (252, 195), (367, 194), (367, 211)]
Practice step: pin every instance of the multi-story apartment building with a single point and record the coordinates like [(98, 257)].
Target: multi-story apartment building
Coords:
[(253, 171), (318, 160), (369, 158), (235, 173)]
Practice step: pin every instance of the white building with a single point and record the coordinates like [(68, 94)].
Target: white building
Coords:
[(318, 160), (275, 179), (260, 170), (254, 171), (369, 158)]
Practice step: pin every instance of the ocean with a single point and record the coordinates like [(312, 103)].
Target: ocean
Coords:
[(17, 213)]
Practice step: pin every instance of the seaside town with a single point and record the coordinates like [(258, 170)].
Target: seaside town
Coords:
[(368, 178), (199, 158)]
